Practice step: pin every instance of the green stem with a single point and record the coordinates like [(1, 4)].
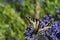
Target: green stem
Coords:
[(36, 8)]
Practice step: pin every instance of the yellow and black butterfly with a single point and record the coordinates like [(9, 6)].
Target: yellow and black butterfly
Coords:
[(34, 23)]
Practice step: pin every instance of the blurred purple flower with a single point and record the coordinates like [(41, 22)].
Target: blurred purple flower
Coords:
[(19, 1)]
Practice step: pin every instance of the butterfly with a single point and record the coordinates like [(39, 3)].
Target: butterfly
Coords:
[(34, 23)]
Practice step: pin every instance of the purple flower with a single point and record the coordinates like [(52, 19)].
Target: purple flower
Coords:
[(42, 24), (28, 28), (46, 17), (34, 37), (14, 38), (57, 10), (27, 33), (46, 21), (58, 35), (19, 1)]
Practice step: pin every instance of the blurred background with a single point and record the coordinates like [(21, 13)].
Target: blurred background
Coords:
[(13, 13)]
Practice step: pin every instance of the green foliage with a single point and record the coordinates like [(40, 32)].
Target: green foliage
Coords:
[(49, 5), (10, 23)]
